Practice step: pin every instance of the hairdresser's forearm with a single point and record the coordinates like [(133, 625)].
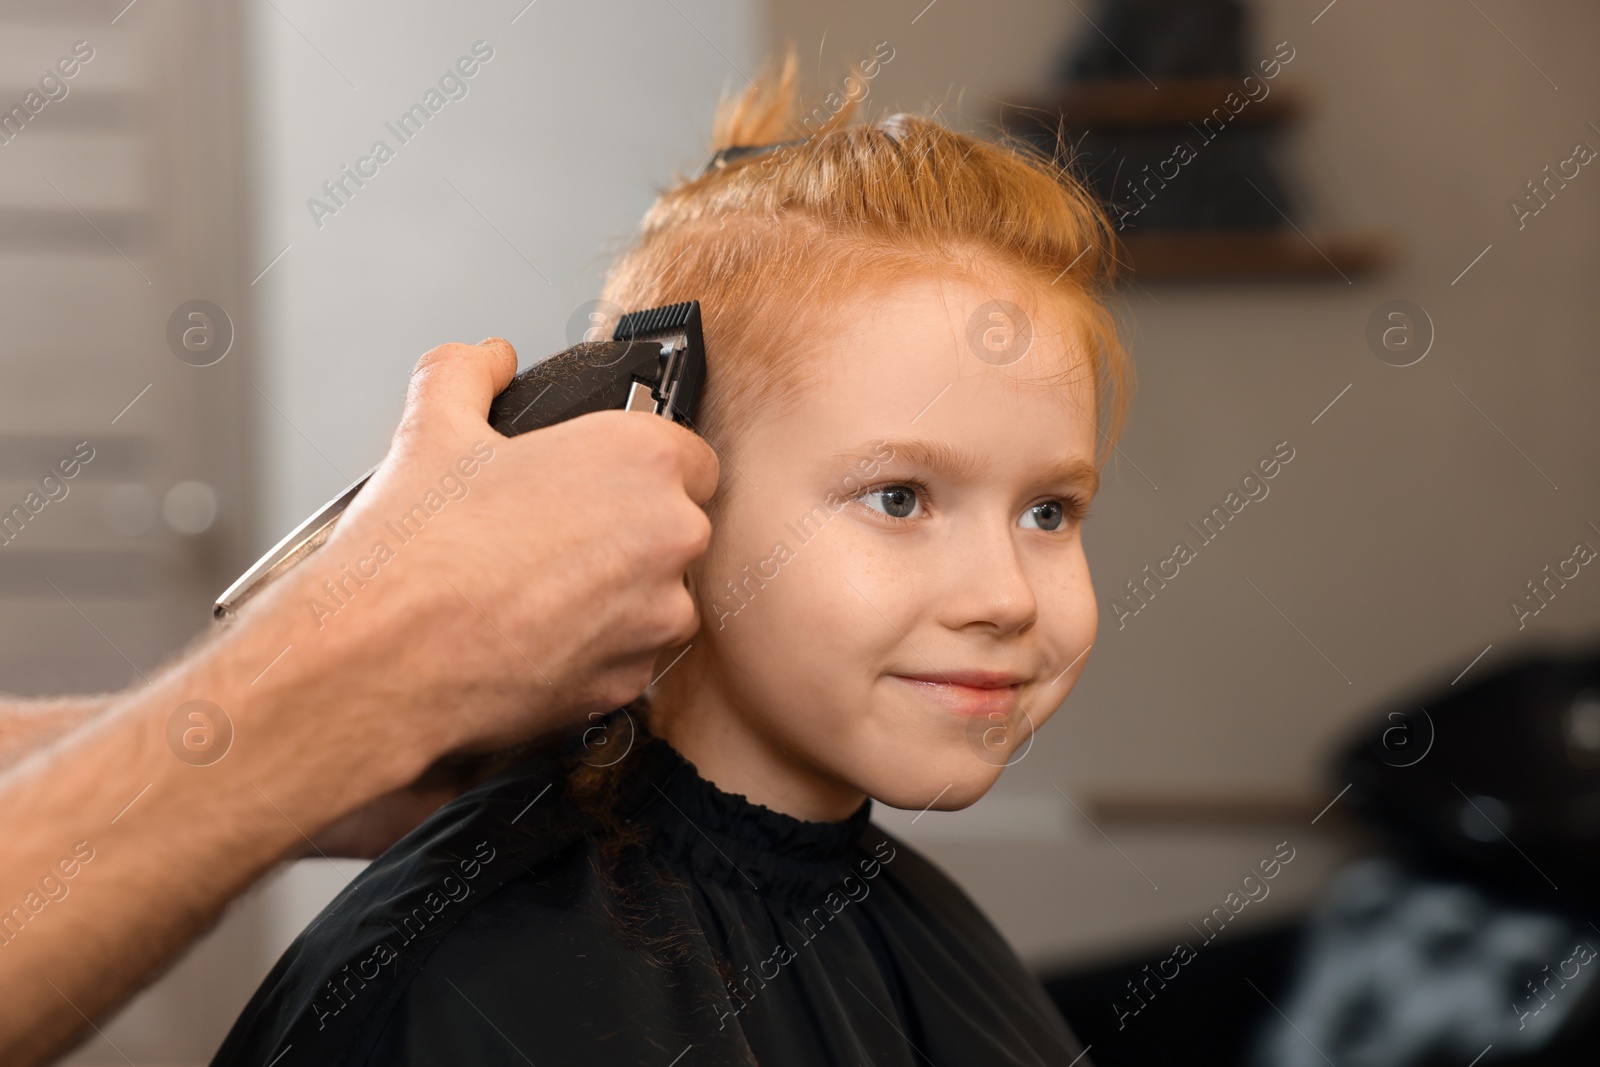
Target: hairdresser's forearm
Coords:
[(155, 845), (121, 842), (29, 725)]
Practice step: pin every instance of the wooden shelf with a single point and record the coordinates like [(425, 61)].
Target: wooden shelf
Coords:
[(1113, 109), (1265, 255), (1137, 103)]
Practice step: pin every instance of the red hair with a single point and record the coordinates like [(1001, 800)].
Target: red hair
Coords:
[(769, 243)]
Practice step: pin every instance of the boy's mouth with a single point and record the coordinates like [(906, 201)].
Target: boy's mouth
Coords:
[(974, 693)]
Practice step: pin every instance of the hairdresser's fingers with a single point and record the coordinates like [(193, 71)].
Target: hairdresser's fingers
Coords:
[(684, 618), (670, 615), (697, 461), (654, 443), (455, 383)]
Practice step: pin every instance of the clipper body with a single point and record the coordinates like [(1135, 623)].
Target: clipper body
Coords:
[(654, 363)]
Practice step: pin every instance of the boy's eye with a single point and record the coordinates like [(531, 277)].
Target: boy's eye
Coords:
[(1046, 516), (895, 501)]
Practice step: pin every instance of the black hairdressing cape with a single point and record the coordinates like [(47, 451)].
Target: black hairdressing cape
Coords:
[(487, 936)]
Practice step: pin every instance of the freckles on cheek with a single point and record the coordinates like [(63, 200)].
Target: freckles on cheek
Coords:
[(1068, 608), (851, 589), (838, 555), (1069, 612)]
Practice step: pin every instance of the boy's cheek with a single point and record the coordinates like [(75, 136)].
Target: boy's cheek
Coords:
[(1069, 618)]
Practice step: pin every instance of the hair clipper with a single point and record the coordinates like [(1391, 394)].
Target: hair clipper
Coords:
[(655, 362)]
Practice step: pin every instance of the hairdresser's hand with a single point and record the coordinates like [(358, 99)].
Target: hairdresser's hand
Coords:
[(547, 573), (479, 592)]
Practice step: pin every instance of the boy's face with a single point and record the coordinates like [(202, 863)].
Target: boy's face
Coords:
[(896, 593)]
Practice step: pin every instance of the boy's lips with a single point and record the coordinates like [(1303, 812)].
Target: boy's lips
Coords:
[(967, 679), (975, 693)]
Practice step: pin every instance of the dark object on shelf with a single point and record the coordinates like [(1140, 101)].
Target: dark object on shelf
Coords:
[(1151, 149), (1175, 160), (1172, 120), (1191, 186), (1497, 781), (1229, 185), (1160, 39)]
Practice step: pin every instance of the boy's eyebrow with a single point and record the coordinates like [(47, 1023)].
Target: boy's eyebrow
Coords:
[(945, 458)]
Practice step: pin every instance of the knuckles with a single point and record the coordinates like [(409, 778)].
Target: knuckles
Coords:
[(682, 618), (692, 535), (438, 357), (700, 532), (439, 354)]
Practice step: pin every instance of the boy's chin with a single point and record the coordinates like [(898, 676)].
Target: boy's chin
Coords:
[(925, 781)]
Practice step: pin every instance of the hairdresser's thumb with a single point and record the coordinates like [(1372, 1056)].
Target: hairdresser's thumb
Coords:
[(453, 385)]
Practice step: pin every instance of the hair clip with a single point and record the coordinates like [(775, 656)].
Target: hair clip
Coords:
[(896, 127), (723, 156)]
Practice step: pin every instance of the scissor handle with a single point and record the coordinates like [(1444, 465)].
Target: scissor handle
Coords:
[(300, 543)]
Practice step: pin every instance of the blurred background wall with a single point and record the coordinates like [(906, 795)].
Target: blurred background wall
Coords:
[(1417, 505)]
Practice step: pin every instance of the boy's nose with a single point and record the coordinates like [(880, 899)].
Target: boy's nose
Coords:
[(988, 587)]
